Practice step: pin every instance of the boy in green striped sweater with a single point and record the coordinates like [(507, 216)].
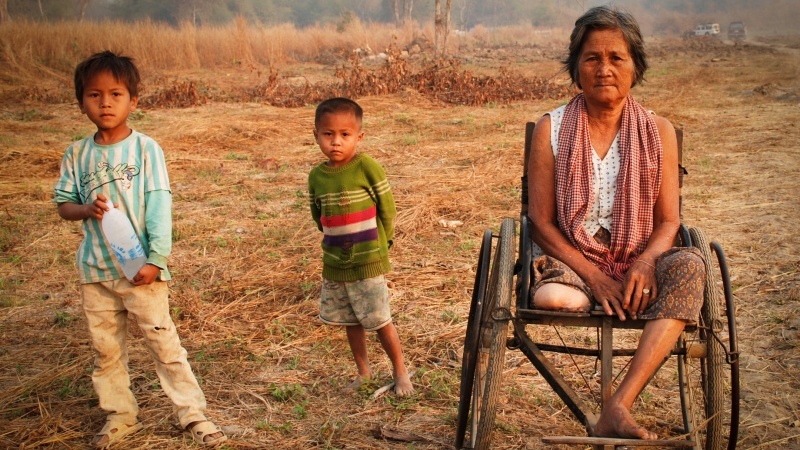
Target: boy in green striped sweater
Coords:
[(352, 205), (128, 168)]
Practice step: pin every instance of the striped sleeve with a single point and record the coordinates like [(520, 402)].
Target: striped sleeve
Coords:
[(384, 200)]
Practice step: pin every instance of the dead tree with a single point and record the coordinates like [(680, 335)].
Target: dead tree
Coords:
[(4, 17), (402, 11), (84, 7), (441, 29), (409, 5)]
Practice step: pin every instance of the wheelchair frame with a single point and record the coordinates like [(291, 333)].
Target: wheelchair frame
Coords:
[(487, 339)]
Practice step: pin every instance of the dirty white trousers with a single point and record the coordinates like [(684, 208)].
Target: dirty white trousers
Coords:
[(107, 305)]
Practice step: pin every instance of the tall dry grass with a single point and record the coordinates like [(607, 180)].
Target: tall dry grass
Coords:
[(32, 52), (29, 49)]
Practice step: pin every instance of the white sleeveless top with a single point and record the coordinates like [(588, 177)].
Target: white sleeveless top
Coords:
[(604, 181), (604, 178)]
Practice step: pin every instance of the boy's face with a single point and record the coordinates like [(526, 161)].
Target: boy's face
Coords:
[(107, 102), (338, 136)]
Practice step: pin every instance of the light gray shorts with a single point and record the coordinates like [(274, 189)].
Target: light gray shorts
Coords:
[(363, 302)]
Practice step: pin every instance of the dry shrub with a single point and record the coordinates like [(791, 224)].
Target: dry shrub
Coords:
[(443, 80), (44, 95), (359, 81), (180, 94), (278, 92), (446, 81)]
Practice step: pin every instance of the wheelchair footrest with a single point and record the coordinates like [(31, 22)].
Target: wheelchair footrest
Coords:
[(614, 442)]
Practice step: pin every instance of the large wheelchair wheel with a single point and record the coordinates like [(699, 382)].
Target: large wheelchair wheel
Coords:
[(469, 357), (707, 408), (481, 376)]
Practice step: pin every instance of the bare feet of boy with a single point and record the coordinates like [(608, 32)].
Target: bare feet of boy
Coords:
[(402, 385), (356, 383), (616, 421)]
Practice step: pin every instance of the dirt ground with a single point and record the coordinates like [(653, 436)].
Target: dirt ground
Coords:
[(246, 260)]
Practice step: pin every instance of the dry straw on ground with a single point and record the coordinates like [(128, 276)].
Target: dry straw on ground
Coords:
[(246, 258)]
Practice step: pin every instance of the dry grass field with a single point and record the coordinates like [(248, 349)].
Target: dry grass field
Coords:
[(246, 258)]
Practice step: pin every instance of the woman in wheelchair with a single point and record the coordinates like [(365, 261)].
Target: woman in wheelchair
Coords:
[(604, 204)]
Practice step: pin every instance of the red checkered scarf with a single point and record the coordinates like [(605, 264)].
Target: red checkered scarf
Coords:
[(638, 183)]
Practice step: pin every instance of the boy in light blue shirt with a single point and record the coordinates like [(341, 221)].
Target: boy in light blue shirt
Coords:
[(128, 168)]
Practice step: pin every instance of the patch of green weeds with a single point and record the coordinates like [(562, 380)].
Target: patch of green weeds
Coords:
[(307, 286), (63, 319), (441, 384), (467, 121), (203, 355), (409, 140), (15, 260), (29, 115), (287, 332), (211, 175), (286, 392), (265, 216), (299, 410), (450, 317), (264, 425), (137, 116), (401, 403), (506, 427), (177, 313), (277, 233), (71, 388), (329, 431), (404, 119), (236, 157), (323, 345)]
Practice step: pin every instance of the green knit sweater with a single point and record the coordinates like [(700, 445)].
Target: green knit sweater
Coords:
[(354, 208)]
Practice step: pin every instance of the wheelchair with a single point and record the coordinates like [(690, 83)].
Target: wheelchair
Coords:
[(705, 358)]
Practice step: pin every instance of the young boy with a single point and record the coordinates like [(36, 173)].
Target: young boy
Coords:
[(352, 204), (126, 167)]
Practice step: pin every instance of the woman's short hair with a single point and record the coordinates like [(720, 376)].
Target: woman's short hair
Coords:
[(607, 18)]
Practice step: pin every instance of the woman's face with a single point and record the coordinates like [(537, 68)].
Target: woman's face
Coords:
[(605, 67)]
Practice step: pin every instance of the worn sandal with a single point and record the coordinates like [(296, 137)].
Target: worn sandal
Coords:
[(114, 431), (204, 429)]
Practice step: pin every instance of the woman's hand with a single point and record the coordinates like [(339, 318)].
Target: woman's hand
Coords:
[(608, 293), (640, 287)]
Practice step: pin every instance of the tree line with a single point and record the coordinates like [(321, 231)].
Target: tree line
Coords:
[(464, 14)]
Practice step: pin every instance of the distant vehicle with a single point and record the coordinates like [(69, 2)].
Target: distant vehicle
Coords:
[(706, 29), (737, 31)]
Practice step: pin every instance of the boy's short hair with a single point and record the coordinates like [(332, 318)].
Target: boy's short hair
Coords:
[(121, 68), (338, 105)]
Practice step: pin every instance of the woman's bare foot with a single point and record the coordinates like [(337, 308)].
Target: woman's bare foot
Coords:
[(616, 421)]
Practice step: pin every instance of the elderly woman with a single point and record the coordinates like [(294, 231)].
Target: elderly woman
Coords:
[(604, 207)]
